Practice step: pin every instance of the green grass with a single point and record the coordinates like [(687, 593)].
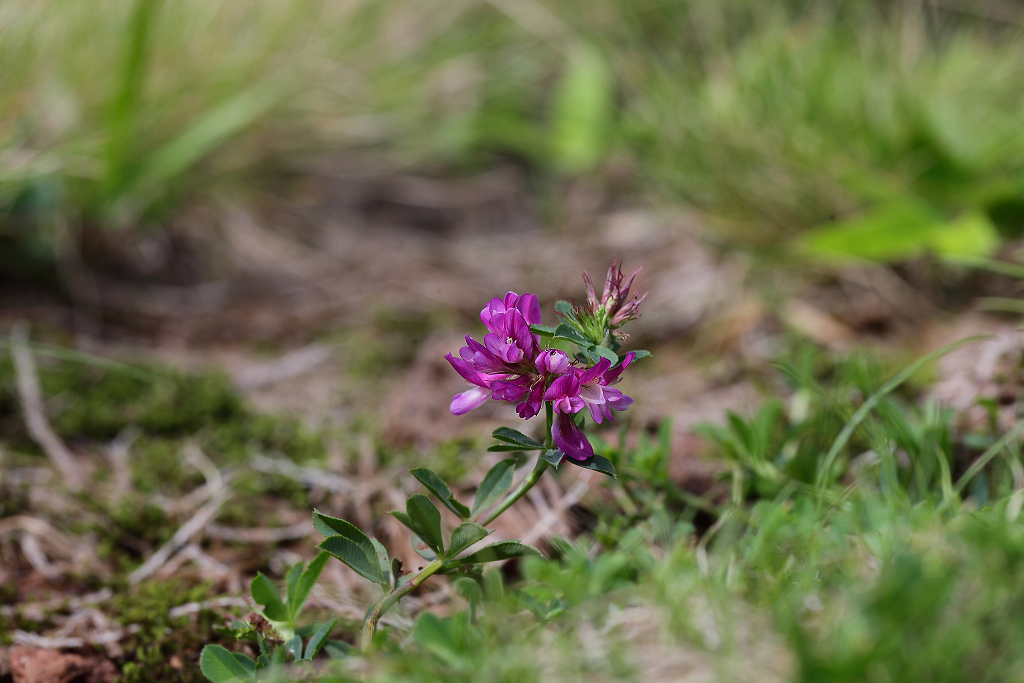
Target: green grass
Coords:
[(902, 560), (773, 118)]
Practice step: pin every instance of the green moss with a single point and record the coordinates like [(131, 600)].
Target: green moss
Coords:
[(160, 638), (96, 403)]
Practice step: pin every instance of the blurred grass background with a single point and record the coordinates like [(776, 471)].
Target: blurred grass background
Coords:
[(901, 120)]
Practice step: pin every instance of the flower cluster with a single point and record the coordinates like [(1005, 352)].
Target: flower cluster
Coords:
[(512, 365)]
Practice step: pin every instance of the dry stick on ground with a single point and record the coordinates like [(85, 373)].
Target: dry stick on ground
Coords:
[(182, 536), (262, 535), (35, 416)]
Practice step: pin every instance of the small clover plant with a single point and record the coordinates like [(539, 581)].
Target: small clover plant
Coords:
[(515, 363)]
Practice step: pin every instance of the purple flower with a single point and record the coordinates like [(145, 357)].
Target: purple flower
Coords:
[(578, 388), (493, 313), (570, 439), (509, 365), (613, 309)]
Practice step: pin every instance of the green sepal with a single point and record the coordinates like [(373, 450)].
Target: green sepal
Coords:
[(565, 309), (566, 331), (440, 489), (496, 482)]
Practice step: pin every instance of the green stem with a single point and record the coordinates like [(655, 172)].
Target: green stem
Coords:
[(389, 599), (530, 479)]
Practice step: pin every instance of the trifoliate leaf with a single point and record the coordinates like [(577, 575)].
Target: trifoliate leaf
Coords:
[(496, 482)]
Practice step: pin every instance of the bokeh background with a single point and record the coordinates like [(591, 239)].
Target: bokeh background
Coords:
[(238, 238)]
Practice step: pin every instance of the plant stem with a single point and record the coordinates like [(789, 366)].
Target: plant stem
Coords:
[(388, 601), (390, 598), (527, 483)]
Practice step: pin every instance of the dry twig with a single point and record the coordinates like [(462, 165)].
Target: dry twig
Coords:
[(35, 415), (182, 536)]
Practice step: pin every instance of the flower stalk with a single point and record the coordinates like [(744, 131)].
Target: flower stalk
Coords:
[(394, 595)]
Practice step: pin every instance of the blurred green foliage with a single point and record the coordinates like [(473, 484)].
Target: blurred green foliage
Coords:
[(773, 118)]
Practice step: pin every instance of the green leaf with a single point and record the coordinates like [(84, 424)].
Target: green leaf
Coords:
[(396, 571), (206, 134), (265, 593), (440, 489), (604, 352), (306, 582), (332, 526), (564, 331), (640, 353), (421, 548), (464, 536), (503, 550), (505, 448), (245, 660), (496, 482), (359, 560), (553, 456), (339, 649), (220, 666), (597, 463), (898, 230), (318, 638), (581, 110), (294, 647), (517, 438), (543, 330), (425, 521), (382, 560), (291, 582)]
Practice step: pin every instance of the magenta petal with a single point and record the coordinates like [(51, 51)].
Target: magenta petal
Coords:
[(508, 391), (570, 439), (531, 406), (552, 361), (566, 385), (613, 374), (519, 331), (530, 308), (616, 399), (466, 370), (468, 400), (596, 371), (493, 307)]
